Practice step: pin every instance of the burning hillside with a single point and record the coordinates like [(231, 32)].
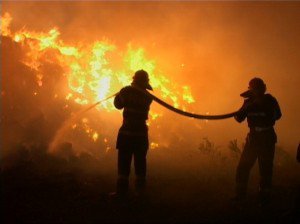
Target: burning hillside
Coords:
[(44, 77)]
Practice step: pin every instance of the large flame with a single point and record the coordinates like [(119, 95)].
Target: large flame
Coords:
[(93, 71)]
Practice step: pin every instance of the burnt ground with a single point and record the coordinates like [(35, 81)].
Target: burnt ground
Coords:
[(193, 187)]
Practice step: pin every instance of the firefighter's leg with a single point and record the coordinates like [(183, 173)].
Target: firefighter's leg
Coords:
[(124, 162), (265, 162), (246, 162), (140, 165)]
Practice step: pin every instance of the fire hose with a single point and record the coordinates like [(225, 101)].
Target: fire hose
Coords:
[(176, 110), (188, 114)]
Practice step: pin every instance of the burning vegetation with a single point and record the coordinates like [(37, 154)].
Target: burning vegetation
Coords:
[(52, 74), (47, 82)]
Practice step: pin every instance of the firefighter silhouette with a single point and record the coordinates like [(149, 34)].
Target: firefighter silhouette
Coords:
[(262, 111), (132, 140)]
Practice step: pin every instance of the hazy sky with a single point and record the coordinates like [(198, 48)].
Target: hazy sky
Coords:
[(222, 44)]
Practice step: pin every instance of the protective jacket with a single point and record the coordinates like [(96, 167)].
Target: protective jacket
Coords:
[(134, 130), (261, 113)]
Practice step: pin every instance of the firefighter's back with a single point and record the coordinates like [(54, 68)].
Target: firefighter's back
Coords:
[(135, 107)]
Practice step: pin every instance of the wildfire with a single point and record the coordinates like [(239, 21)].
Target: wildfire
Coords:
[(90, 71)]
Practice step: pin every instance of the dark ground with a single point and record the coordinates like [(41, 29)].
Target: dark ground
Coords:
[(36, 187)]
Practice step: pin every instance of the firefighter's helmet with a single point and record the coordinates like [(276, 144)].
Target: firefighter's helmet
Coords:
[(141, 78), (256, 85)]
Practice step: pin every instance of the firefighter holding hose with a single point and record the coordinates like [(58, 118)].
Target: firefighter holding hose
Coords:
[(132, 140), (262, 111)]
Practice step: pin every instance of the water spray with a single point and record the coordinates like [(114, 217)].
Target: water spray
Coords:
[(65, 126)]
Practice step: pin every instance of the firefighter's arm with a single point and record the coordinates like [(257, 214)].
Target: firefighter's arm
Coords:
[(277, 111), (119, 100), (242, 113)]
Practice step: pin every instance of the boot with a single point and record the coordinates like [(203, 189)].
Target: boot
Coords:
[(240, 193), (264, 196), (122, 188), (140, 186)]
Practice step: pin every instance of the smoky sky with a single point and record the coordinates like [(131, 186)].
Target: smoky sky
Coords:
[(222, 45)]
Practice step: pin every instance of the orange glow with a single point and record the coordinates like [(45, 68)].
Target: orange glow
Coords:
[(95, 136), (91, 76), (91, 73), (154, 145)]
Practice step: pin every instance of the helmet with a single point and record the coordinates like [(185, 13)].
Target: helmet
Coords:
[(256, 85), (141, 79)]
